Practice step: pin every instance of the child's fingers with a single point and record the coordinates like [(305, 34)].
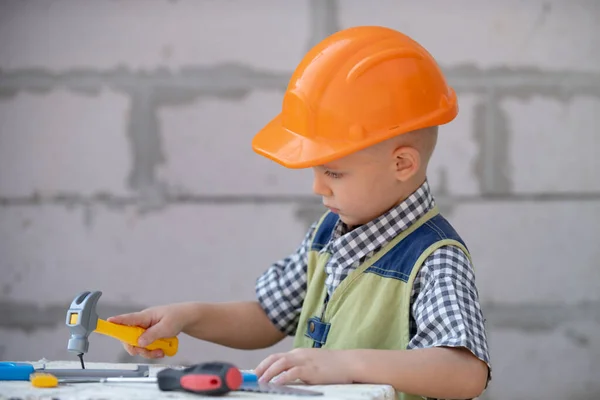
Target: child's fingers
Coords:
[(129, 349), (140, 351), (133, 319), (156, 353), (149, 353)]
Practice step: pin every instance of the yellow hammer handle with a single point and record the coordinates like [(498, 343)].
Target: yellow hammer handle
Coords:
[(130, 335)]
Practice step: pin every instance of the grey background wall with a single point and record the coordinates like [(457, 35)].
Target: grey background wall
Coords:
[(126, 166)]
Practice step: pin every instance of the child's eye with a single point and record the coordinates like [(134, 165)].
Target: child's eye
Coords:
[(334, 175)]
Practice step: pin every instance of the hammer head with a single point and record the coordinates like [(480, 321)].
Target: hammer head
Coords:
[(82, 320)]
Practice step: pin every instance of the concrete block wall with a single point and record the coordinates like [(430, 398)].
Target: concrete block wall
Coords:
[(126, 166)]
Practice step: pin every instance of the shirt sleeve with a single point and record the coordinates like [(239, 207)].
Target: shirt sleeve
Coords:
[(281, 289), (446, 307)]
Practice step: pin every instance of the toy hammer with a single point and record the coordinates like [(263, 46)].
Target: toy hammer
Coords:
[(83, 320)]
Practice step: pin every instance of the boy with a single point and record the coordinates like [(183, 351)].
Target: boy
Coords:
[(382, 289)]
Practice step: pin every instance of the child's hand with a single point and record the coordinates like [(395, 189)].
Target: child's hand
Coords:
[(160, 322), (311, 366)]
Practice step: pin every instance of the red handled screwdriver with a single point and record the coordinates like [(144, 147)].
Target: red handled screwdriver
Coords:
[(213, 379)]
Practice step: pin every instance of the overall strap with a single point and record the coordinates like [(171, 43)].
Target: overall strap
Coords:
[(323, 231)]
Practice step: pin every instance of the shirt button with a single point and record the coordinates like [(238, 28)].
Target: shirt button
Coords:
[(311, 326)]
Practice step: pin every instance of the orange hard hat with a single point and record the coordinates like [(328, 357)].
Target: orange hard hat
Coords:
[(358, 87)]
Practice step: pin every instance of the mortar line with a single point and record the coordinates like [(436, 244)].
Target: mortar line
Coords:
[(528, 316), (141, 133), (491, 166), (226, 77), (324, 20)]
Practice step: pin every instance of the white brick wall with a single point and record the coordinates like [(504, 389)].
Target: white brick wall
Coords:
[(214, 137), (211, 253), (534, 253), (554, 144), (551, 35), (558, 364), (64, 142), (102, 35)]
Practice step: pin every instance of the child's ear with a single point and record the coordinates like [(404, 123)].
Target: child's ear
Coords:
[(407, 162)]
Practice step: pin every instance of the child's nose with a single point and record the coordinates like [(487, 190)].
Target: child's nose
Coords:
[(320, 188)]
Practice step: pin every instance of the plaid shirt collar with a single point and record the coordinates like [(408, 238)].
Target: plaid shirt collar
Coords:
[(350, 249)]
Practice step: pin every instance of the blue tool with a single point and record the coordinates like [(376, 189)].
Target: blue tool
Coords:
[(251, 384), (10, 371), (249, 376)]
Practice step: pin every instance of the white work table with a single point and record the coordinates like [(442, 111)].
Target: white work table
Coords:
[(133, 391)]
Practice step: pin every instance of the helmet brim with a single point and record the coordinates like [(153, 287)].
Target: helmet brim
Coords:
[(296, 151)]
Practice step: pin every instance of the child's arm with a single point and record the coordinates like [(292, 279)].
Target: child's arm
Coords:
[(224, 324), (242, 325), (444, 373), (435, 372)]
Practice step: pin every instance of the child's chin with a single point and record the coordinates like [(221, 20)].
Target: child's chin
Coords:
[(348, 220)]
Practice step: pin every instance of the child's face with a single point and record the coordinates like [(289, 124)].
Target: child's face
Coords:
[(358, 187)]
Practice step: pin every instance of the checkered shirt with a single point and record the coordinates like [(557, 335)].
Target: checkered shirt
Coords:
[(444, 301)]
